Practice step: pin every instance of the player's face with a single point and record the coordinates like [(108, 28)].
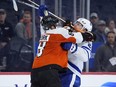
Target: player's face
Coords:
[(2, 17), (27, 18), (111, 38), (78, 27)]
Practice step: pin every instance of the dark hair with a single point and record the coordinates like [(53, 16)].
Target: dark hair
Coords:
[(2, 11), (109, 20), (110, 32), (27, 12)]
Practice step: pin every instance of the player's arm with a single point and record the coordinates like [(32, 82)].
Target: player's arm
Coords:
[(42, 11), (41, 28), (78, 36), (83, 52), (42, 14)]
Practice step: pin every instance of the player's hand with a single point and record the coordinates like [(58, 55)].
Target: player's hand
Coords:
[(69, 46), (43, 10)]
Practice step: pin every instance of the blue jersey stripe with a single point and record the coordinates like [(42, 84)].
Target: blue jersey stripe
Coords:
[(75, 67), (86, 50)]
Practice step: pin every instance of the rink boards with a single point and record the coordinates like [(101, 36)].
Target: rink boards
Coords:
[(22, 79)]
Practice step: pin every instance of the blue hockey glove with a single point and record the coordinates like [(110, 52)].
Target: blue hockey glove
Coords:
[(68, 46), (43, 10)]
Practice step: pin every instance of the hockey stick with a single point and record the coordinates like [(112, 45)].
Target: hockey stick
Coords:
[(33, 3), (36, 6), (30, 5), (48, 11), (79, 30), (15, 5)]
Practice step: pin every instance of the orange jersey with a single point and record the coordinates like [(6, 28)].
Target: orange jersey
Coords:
[(50, 51)]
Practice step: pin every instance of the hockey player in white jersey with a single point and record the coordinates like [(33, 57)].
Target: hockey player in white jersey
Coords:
[(78, 54)]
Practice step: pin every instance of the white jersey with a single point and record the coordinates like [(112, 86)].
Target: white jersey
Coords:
[(60, 30), (77, 59)]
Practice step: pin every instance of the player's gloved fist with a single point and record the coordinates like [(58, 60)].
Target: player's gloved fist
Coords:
[(43, 10), (69, 46)]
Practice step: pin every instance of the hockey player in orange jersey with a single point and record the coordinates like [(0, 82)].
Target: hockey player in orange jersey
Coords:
[(51, 58)]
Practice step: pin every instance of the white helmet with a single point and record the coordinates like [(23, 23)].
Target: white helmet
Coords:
[(85, 23)]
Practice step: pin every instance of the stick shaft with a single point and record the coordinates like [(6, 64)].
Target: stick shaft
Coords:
[(27, 4), (48, 11), (56, 16), (15, 5), (34, 3), (34, 6)]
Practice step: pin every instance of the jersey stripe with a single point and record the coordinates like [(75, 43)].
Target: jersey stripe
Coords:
[(74, 66), (73, 80), (86, 48)]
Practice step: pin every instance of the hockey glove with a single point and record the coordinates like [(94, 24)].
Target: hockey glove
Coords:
[(43, 10), (68, 46)]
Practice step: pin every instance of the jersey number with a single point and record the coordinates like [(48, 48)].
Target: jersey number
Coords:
[(42, 44), (41, 48)]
